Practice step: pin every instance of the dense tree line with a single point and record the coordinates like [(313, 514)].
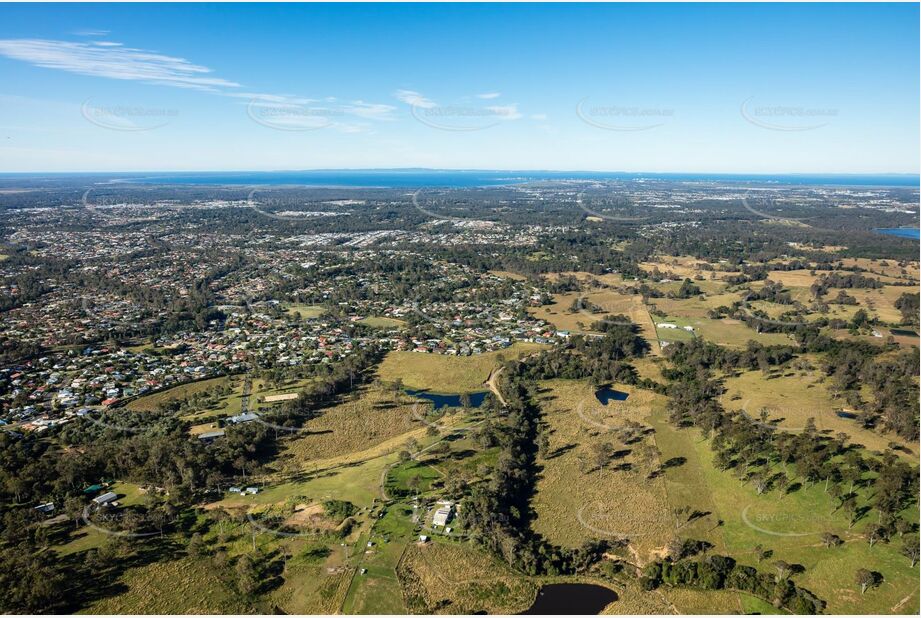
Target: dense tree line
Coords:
[(717, 572)]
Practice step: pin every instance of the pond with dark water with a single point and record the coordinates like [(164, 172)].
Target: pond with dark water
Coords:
[(568, 599), (607, 394), (448, 400)]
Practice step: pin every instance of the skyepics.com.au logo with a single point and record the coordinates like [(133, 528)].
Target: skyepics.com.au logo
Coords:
[(471, 113), (606, 417), (775, 521), (426, 206), (293, 116), (622, 118), (280, 205), (788, 118), (461, 118), (108, 517), (128, 118), (786, 418)]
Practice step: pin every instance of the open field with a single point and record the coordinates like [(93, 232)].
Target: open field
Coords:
[(649, 367), (695, 307), (219, 406), (632, 599), (441, 373), (153, 401), (878, 302), (311, 588), (891, 268), (725, 331), (688, 267), (795, 396), (316, 574), (377, 591), (610, 302), (447, 577), (508, 275), (381, 322), (305, 312), (365, 419), (576, 500), (358, 483), (178, 586), (790, 527)]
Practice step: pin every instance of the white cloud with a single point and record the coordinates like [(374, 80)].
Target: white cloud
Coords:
[(91, 32), (411, 97), (538, 116), (489, 95), (113, 62)]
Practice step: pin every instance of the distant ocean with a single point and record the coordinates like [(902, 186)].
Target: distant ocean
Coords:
[(407, 178)]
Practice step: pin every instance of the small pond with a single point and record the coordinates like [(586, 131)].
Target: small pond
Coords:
[(448, 400), (568, 599), (607, 394), (843, 414)]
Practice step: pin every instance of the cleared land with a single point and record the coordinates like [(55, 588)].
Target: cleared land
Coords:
[(738, 520), (446, 577), (793, 397), (365, 419), (305, 312), (441, 373), (153, 401), (608, 302), (576, 499), (381, 322)]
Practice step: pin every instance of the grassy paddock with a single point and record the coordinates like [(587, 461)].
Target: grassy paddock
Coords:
[(448, 374), (354, 425), (381, 322), (305, 312), (180, 586), (448, 577), (575, 500), (152, 402), (611, 302), (794, 397), (790, 527)]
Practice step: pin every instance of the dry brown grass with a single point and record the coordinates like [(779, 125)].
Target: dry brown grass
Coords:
[(611, 302), (312, 589), (634, 600), (441, 373), (575, 500), (891, 268), (150, 403), (469, 579), (184, 586), (357, 424), (795, 397)]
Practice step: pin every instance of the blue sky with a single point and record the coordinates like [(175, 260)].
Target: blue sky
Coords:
[(830, 88)]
